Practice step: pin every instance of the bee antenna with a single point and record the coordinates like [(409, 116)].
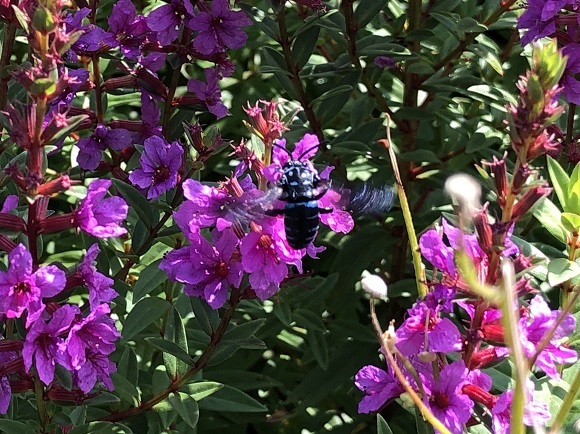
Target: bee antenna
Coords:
[(310, 149), (283, 148)]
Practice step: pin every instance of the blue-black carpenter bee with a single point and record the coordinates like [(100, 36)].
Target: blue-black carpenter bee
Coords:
[(300, 187)]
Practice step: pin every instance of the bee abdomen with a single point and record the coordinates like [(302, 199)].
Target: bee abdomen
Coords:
[(301, 223)]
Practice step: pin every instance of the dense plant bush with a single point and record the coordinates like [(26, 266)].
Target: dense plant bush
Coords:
[(149, 284)]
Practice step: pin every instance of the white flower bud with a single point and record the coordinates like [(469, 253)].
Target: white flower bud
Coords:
[(466, 191), (374, 285)]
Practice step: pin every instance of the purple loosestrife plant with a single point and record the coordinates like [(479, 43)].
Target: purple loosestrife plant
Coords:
[(160, 163)]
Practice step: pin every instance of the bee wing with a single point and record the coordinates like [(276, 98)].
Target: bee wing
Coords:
[(369, 199), (363, 198)]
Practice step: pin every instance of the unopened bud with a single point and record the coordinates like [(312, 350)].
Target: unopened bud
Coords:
[(465, 190), (427, 357), (374, 285)]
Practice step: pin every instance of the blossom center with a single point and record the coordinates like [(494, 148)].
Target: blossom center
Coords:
[(440, 400), (161, 174), (222, 269), (21, 288), (265, 241)]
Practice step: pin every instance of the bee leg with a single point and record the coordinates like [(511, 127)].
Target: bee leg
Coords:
[(325, 210), (274, 212)]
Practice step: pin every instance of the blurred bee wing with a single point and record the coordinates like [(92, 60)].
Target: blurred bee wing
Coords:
[(368, 199)]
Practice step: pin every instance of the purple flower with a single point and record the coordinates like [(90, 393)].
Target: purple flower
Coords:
[(5, 388), (99, 285), (10, 203), (43, 340), (221, 207), (214, 269), (441, 297), (445, 399), (98, 216), (260, 258), (535, 413), (538, 23), (126, 29), (209, 92), (92, 35), (97, 367), (378, 386), (219, 29), (338, 220), (160, 162), (425, 330), (569, 82), (21, 289), (385, 62), (166, 20), (533, 327), (91, 148), (88, 344)]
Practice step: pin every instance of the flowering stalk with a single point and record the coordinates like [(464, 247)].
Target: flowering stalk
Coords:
[(415, 252), (510, 320), (387, 342), (566, 405)]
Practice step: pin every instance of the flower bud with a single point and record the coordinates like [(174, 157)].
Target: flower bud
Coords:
[(466, 191), (374, 285)]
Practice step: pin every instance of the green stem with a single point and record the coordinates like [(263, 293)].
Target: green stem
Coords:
[(415, 252), (566, 405), (199, 364), (510, 320), (41, 404)]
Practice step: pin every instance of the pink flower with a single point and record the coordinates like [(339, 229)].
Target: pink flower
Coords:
[(22, 289), (101, 217)]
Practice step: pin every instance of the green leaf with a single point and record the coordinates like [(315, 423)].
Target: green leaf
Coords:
[(319, 347), (228, 399), (560, 181), (304, 45), (367, 10), (570, 221), (175, 333), (549, 216), (171, 348), (382, 426), (309, 320), (277, 64), (420, 156), (125, 389), (361, 110), (149, 279), (100, 428), (573, 199), (207, 318), (146, 311), (448, 20), (245, 330), (202, 389), (242, 380), (262, 20), (186, 407), (561, 270), (102, 398), (12, 426), (283, 313), (470, 25), (330, 103), (136, 201)]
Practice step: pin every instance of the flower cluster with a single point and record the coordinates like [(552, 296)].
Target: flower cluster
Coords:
[(557, 19), (429, 334), (459, 327), (245, 241)]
